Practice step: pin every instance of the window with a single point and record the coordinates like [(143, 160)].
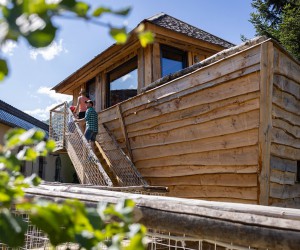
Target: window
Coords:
[(41, 167), (122, 83), (90, 89), (57, 169), (172, 60)]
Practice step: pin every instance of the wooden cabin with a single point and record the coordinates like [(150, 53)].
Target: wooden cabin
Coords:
[(177, 45), (223, 126)]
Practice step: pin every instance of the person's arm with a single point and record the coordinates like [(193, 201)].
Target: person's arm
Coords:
[(84, 118)]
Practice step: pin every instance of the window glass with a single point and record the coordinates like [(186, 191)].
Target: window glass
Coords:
[(123, 83), (91, 89), (172, 60)]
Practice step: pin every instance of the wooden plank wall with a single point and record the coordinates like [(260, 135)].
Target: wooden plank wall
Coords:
[(198, 134), (285, 145)]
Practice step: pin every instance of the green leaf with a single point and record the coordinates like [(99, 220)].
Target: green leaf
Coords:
[(38, 7), (3, 69), (119, 35), (54, 219), (94, 219), (123, 12), (68, 3), (43, 37), (101, 10), (12, 229), (50, 145), (10, 162), (146, 37), (86, 240), (38, 135), (27, 154), (81, 9), (33, 180), (4, 197), (12, 137)]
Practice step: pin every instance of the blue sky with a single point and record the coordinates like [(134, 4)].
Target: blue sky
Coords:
[(34, 72)]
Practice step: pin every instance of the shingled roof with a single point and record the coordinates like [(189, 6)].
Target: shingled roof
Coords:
[(14, 117), (174, 24)]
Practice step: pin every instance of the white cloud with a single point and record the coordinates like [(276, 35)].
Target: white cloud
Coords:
[(39, 114), (48, 53), (132, 87), (124, 78), (58, 98), (43, 114), (8, 47)]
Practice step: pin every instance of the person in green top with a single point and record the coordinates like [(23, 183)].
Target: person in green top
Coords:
[(91, 119)]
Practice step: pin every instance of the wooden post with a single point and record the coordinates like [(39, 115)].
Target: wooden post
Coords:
[(148, 64), (50, 126), (156, 62), (98, 97), (141, 70), (265, 125), (123, 128), (64, 125), (190, 58)]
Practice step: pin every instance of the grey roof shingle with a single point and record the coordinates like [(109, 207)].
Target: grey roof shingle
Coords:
[(13, 117), (174, 24)]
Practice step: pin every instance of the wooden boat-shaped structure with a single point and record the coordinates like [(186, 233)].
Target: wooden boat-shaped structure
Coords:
[(225, 128)]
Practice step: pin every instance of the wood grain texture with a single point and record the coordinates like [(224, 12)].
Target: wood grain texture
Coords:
[(265, 127)]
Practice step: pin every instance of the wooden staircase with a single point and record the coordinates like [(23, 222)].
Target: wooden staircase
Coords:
[(108, 166), (118, 164)]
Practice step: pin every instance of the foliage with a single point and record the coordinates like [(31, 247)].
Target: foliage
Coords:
[(280, 20), (69, 221), (33, 20)]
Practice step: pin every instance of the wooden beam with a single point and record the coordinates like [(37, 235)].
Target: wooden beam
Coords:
[(123, 128), (245, 225), (141, 70), (98, 99), (184, 39), (148, 64), (265, 127), (156, 63)]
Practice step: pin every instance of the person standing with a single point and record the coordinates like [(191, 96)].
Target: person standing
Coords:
[(91, 120), (71, 125), (81, 106)]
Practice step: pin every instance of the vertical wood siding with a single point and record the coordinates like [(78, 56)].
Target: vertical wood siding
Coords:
[(285, 145)]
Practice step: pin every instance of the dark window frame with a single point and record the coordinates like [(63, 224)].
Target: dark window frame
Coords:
[(168, 51), (117, 73), (57, 176), (89, 85), (41, 167)]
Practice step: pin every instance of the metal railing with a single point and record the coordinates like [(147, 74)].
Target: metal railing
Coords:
[(67, 135)]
